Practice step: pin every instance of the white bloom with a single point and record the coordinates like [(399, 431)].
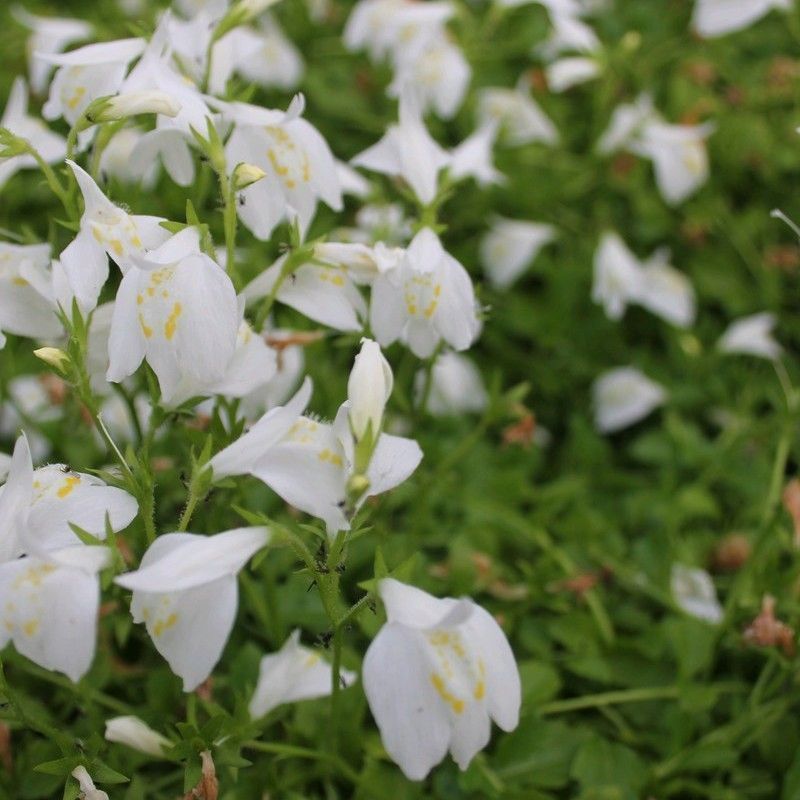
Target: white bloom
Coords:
[(569, 34), (435, 676), (625, 124), (427, 298), (435, 72), (368, 390), (88, 789), (407, 151), (568, 72), (293, 673), (49, 35), (694, 592), (617, 276), (105, 229), (131, 104), (509, 246), (271, 59), (456, 386), (622, 397), (83, 75), (384, 223), (290, 368), (178, 310), (751, 336), (351, 181), (519, 116), (26, 303), (718, 17), (134, 733), (50, 146), (185, 591), (300, 167), (473, 157), (29, 404), (679, 156), (50, 603), (666, 292), (117, 159), (323, 292)]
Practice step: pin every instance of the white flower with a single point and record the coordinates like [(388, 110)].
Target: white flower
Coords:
[(568, 72), (617, 276), (293, 673), (368, 390), (509, 246), (473, 157), (88, 789), (434, 71), (105, 229), (751, 336), (185, 591), (324, 292), (26, 302), (679, 156), (251, 447), (5, 464), (134, 733), (29, 404), (50, 146), (718, 17), (626, 122), (456, 386), (569, 34), (50, 603), (49, 35), (300, 167), (83, 75), (290, 368), (427, 298), (117, 159), (519, 116), (407, 151), (622, 397), (666, 292), (178, 310), (694, 592), (435, 676), (131, 104), (271, 60)]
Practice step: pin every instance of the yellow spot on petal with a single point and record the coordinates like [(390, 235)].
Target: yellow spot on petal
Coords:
[(19, 281), (146, 329), (116, 246), (30, 627), (171, 324), (77, 96), (68, 486), (164, 624), (441, 688)]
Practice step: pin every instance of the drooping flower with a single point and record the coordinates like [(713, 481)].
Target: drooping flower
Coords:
[(427, 298), (177, 308), (718, 17), (456, 386), (520, 119), (751, 336), (617, 276), (510, 246), (694, 592), (293, 673), (105, 230), (136, 734), (368, 390), (50, 146), (666, 292), (48, 35), (185, 592), (300, 168), (407, 151), (435, 676), (622, 397)]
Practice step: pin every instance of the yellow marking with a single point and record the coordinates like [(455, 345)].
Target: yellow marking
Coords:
[(97, 235), (311, 660), (30, 627), (68, 486), (151, 291), (116, 246), (136, 241), (429, 309), (139, 299), (76, 98), (454, 702), (164, 624), (34, 575), (146, 329), (171, 324), (480, 686), (19, 281), (328, 455)]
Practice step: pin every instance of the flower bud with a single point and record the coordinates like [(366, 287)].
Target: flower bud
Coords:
[(88, 790), (56, 358), (134, 733), (368, 390), (245, 175), (131, 104)]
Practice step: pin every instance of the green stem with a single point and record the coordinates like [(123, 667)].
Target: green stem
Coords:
[(195, 496), (294, 260), (53, 182), (229, 224)]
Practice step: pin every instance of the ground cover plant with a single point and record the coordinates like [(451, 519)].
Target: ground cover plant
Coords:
[(399, 399)]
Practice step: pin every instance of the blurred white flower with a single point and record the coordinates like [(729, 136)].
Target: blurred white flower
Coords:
[(427, 298), (88, 789), (520, 119), (473, 158), (186, 593), (751, 336), (117, 159), (617, 275), (666, 292), (625, 123), (622, 397), (567, 72), (718, 17), (435, 676), (456, 386), (134, 733), (694, 592), (293, 673), (510, 246)]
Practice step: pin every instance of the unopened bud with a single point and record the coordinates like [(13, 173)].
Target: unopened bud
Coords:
[(56, 358), (246, 175), (134, 733), (131, 104)]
